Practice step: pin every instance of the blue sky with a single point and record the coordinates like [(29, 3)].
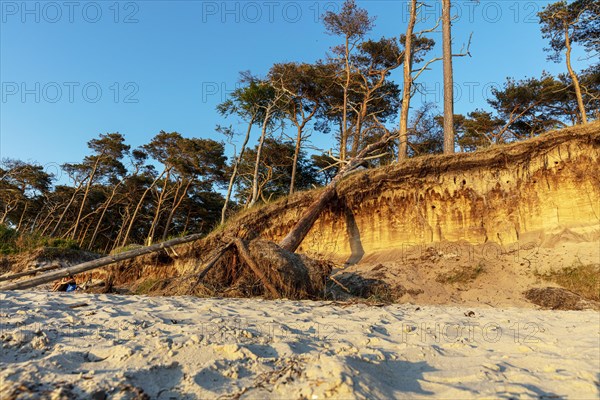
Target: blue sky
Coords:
[(72, 70)]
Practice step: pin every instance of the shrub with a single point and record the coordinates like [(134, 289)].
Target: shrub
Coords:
[(13, 242), (578, 278), (8, 240)]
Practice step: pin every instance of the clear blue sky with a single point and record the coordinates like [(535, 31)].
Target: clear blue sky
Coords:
[(165, 65)]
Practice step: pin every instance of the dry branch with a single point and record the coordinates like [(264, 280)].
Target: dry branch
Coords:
[(213, 260)]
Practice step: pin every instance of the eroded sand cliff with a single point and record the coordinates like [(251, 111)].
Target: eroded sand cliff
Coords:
[(526, 191)]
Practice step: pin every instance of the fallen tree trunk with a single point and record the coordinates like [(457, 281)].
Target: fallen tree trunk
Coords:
[(245, 254), (241, 268), (295, 237), (101, 262), (29, 272)]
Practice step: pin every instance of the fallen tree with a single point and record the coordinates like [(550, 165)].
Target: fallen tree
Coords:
[(280, 271), (300, 230)]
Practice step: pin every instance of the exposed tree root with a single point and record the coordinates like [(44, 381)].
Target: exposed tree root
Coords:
[(242, 268)]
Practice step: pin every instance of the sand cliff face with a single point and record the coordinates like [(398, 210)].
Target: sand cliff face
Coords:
[(521, 192)]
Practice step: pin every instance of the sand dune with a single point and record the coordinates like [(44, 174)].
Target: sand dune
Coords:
[(108, 346)]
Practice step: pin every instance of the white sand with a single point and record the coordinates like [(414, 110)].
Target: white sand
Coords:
[(206, 348)]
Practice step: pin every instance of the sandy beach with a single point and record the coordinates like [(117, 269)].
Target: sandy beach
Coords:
[(126, 347)]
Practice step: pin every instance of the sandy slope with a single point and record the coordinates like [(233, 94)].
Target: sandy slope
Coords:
[(205, 348), (506, 271)]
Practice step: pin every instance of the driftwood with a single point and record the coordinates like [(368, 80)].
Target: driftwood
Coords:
[(29, 272), (100, 262)]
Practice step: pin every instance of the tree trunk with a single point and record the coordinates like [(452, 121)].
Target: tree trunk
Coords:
[(406, 94), (29, 272), (85, 196), (137, 208), (344, 138), (235, 169), (295, 237), (574, 77), (357, 134), (254, 197), (100, 262), (62, 215), (158, 209), (176, 204), (125, 218), (22, 215), (296, 156), (448, 79), (105, 208)]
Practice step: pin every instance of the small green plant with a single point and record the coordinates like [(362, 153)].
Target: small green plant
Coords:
[(145, 286), (123, 249), (463, 275), (578, 278)]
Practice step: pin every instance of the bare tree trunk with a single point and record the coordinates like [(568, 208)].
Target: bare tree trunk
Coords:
[(105, 208), (357, 134), (344, 138), (254, 197), (125, 218), (574, 77), (29, 272), (406, 94), (84, 232), (176, 205), (296, 156), (137, 208), (158, 209), (187, 220), (62, 215), (235, 169), (85, 196), (448, 79), (7, 209), (22, 216), (100, 262)]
